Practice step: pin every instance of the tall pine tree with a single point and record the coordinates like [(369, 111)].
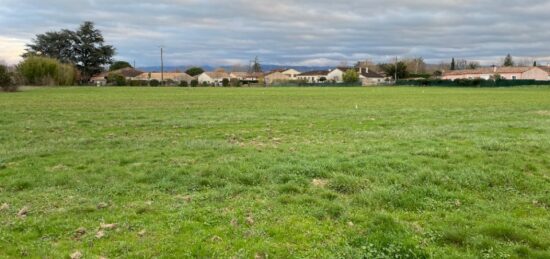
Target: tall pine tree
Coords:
[(453, 64), (508, 61)]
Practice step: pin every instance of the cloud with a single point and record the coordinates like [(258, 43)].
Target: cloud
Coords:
[(316, 32)]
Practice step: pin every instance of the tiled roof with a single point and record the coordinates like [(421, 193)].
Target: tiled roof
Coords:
[(545, 68), (176, 76), (371, 74), (489, 70), (315, 73), (217, 75)]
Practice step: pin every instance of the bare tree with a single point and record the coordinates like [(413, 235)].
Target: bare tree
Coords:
[(474, 65)]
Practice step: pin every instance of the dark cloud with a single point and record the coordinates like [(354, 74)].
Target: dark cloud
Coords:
[(304, 32)]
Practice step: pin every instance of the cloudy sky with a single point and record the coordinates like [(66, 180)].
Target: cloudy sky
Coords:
[(292, 32)]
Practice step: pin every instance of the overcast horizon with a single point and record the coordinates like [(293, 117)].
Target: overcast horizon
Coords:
[(284, 32)]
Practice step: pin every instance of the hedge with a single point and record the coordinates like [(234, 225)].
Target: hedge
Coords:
[(471, 83)]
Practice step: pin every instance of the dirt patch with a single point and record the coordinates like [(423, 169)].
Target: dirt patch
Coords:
[(23, 212), (543, 113), (76, 255), (321, 183)]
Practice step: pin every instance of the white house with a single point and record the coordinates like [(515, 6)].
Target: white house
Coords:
[(213, 78), (314, 76), (369, 77), (337, 74), (291, 73)]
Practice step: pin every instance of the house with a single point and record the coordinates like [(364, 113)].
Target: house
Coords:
[(366, 76), (276, 76), (213, 78), (246, 77), (337, 75), (166, 76), (128, 73), (369, 77), (314, 76), (508, 73), (547, 70), (291, 73)]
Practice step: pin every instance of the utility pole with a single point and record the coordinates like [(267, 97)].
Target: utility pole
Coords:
[(161, 66), (395, 70), (134, 63)]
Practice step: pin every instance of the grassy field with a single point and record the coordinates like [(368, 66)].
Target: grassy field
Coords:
[(286, 172)]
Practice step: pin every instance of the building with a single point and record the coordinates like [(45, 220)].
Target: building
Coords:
[(276, 76), (291, 73), (508, 73), (318, 76), (547, 70), (176, 77), (213, 78), (246, 77), (366, 76), (369, 77), (128, 73)]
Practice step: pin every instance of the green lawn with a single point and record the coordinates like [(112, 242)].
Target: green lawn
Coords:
[(278, 173)]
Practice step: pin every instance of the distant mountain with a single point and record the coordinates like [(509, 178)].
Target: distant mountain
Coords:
[(265, 68)]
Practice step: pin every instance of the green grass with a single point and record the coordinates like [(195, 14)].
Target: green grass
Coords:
[(286, 172)]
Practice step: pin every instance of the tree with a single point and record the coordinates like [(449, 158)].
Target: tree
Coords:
[(474, 65), (116, 79), (234, 82), (225, 82), (184, 83), (154, 83), (90, 51), (508, 61), (453, 64), (119, 65), (7, 83), (461, 64), (256, 66), (58, 45), (350, 76), (84, 48), (392, 69), (194, 71), (535, 63)]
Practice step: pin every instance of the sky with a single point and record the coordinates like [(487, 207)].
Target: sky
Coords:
[(290, 32)]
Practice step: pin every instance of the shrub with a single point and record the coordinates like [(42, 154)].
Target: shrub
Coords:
[(225, 82), (116, 79), (194, 83), (234, 82), (154, 83), (351, 76), (46, 71), (169, 82), (7, 82), (204, 83), (136, 83), (184, 83)]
